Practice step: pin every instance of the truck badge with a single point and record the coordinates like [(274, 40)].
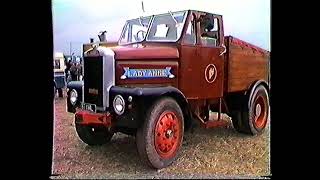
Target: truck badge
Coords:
[(210, 73), (93, 91), (147, 73)]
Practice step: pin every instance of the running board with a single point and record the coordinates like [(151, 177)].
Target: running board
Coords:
[(213, 123)]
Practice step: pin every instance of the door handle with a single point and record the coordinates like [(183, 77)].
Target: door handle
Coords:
[(224, 50)]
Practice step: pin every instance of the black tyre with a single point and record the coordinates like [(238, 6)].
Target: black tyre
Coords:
[(93, 135), (252, 116), (60, 92), (160, 137)]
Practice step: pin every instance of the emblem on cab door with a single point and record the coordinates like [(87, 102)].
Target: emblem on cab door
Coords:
[(210, 73)]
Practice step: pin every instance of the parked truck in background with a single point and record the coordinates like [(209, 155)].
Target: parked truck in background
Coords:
[(167, 71), (59, 80)]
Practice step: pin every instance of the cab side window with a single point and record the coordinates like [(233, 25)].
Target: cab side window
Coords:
[(209, 31)]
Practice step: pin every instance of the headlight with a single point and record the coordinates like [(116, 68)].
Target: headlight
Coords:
[(73, 97), (119, 104)]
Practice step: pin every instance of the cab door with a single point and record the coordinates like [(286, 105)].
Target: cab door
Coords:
[(189, 59), (211, 55)]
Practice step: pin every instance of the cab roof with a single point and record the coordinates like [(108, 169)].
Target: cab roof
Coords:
[(148, 15), (204, 12)]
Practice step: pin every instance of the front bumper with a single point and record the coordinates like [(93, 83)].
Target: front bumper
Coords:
[(89, 118)]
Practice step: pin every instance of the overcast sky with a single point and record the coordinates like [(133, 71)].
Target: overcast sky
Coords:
[(75, 21)]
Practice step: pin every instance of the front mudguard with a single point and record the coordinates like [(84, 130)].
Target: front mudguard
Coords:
[(141, 99)]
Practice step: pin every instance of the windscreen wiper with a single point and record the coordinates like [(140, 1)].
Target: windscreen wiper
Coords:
[(173, 18), (140, 22)]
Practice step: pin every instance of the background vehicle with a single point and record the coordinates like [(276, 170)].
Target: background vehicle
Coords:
[(59, 73), (169, 70)]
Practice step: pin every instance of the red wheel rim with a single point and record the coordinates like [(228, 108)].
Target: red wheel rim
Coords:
[(260, 112), (167, 134)]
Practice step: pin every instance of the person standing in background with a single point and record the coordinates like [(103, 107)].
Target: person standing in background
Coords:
[(73, 72), (68, 66), (78, 71)]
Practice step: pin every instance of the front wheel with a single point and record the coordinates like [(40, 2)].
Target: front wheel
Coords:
[(93, 135), (160, 137)]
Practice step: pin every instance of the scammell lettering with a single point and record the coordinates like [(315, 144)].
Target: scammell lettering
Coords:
[(93, 91), (154, 86)]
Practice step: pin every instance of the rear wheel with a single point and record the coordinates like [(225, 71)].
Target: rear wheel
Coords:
[(160, 137), (92, 136), (251, 117)]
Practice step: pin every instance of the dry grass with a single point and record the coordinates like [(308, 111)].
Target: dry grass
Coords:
[(206, 153)]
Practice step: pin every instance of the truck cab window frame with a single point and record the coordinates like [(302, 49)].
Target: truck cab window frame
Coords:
[(190, 36), (134, 30), (209, 30), (166, 27)]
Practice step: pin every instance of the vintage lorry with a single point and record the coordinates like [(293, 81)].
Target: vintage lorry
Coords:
[(168, 71)]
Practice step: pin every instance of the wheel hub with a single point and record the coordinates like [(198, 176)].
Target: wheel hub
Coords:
[(258, 110), (167, 134)]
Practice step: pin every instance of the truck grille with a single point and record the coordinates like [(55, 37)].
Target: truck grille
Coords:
[(93, 80)]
